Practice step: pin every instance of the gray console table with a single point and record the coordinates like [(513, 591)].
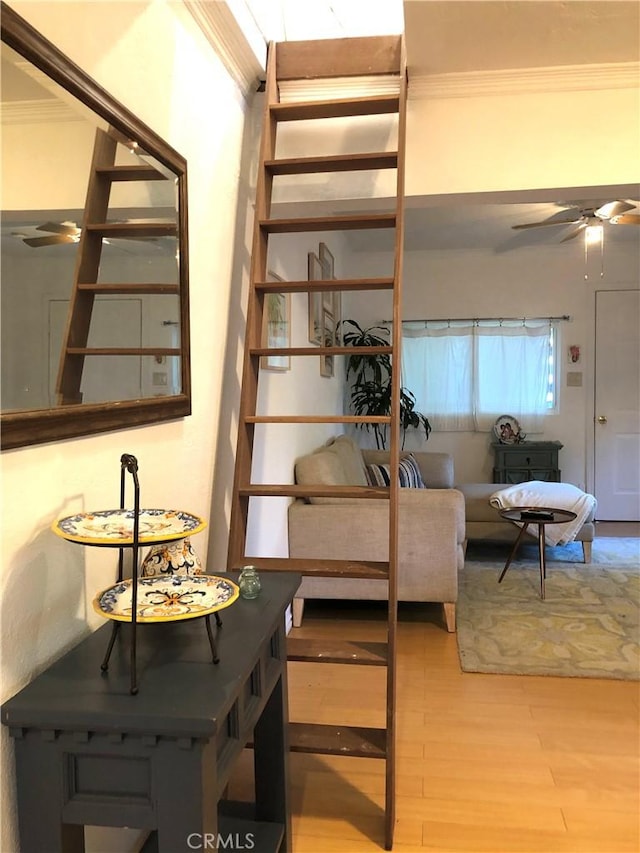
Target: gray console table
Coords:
[(530, 460), (90, 753)]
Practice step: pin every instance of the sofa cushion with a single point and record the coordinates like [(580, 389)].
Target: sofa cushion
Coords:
[(338, 463), (320, 469), (476, 501), (349, 453), (408, 473)]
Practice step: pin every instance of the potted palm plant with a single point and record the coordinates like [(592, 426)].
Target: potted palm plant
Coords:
[(371, 383)]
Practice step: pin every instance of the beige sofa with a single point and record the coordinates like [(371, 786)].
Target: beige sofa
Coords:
[(484, 523), (431, 529)]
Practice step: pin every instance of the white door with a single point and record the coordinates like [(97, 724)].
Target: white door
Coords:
[(117, 323), (617, 405)]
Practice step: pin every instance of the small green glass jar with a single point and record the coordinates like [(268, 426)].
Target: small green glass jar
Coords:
[(249, 582)]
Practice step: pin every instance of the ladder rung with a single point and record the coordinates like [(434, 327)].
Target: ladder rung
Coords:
[(317, 419), (369, 569), (360, 221), (259, 351), (358, 741), (133, 229), (339, 284), (302, 110), (122, 351), (327, 651), (272, 490), (339, 57), (137, 172), (124, 287), (333, 163)]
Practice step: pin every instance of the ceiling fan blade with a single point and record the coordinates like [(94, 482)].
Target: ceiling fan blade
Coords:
[(547, 222), (53, 240), (575, 233), (626, 219), (59, 228), (613, 208)]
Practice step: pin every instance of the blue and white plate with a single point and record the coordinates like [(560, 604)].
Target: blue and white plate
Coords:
[(115, 526), (162, 599)]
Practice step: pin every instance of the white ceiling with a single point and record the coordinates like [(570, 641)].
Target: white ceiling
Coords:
[(466, 36), (446, 38), (453, 36)]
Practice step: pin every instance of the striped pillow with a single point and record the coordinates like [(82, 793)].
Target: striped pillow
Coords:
[(409, 474)]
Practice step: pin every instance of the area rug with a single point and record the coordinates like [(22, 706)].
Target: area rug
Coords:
[(587, 626)]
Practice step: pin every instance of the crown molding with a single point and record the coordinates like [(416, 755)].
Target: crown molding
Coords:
[(37, 110), (224, 34), (562, 78)]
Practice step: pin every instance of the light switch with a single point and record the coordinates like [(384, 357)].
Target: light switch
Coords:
[(574, 379)]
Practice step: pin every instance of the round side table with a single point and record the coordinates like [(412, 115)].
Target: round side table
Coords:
[(540, 515)]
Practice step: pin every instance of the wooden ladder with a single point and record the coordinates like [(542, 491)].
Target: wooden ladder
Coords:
[(339, 58), (95, 228)]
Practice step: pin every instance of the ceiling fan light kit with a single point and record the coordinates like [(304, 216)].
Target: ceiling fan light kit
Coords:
[(593, 233)]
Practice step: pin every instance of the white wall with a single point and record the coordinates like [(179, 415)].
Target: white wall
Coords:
[(300, 390), (523, 141), (149, 55), (533, 282)]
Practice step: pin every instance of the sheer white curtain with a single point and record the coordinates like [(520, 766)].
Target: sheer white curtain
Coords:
[(464, 375)]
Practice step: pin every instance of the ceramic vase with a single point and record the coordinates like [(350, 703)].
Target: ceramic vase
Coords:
[(171, 558)]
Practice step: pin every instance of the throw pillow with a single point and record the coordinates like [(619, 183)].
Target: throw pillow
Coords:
[(409, 474)]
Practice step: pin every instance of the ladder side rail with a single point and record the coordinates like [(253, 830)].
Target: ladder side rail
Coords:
[(396, 342), (253, 331), (78, 322)]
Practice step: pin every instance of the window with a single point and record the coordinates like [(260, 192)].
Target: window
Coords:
[(465, 374)]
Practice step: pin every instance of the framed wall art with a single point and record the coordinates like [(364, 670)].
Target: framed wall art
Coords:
[(276, 327), (332, 300), (327, 261), (329, 338), (314, 273)]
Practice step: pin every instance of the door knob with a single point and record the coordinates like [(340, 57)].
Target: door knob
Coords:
[(602, 419)]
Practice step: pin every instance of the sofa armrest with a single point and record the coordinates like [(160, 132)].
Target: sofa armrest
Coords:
[(430, 551), (436, 468)]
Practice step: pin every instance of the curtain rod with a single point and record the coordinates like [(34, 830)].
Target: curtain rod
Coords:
[(563, 317)]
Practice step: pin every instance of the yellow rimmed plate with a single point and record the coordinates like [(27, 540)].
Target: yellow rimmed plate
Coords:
[(115, 526), (167, 599)]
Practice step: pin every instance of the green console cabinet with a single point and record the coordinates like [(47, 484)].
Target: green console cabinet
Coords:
[(530, 460), (89, 753)]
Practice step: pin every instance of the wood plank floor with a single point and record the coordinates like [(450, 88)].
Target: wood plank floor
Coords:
[(502, 764)]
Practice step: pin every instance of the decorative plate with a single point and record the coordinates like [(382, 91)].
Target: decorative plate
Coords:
[(507, 430), (162, 599), (115, 526)]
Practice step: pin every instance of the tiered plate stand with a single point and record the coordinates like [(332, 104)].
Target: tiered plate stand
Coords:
[(84, 529)]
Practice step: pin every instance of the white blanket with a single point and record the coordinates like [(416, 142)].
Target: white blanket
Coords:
[(537, 493)]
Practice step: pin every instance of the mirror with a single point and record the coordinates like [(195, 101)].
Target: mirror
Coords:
[(94, 291)]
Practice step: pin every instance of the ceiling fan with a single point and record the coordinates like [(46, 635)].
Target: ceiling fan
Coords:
[(66, 232), (615, 212), (59, 232)]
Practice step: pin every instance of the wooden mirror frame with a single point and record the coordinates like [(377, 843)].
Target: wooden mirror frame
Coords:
[(28, 427)]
